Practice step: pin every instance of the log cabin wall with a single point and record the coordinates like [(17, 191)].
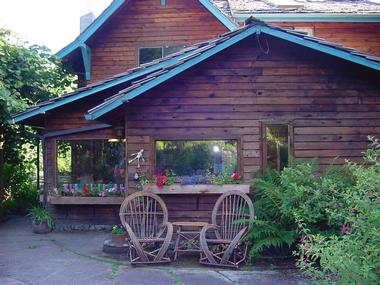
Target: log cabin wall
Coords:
[(330, 104), (361, 36), (149, 24)]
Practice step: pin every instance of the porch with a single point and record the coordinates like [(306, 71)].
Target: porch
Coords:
[(68, 258)]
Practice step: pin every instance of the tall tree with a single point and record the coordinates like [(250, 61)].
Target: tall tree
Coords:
[(28, 75)]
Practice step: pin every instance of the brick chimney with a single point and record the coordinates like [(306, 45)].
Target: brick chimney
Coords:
[(87, 16)]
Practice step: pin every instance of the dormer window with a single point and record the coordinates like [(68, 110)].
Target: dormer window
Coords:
[(148, 54)]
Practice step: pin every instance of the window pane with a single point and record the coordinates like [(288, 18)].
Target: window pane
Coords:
[(186, 158), (88, 164), (277, 146), (149, 54)]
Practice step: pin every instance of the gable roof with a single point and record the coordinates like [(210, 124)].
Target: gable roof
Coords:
[(208, 49), (80, 41)]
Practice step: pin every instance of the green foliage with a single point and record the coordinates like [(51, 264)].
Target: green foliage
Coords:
[(40, 214), (118, 230), (28, 75), (271, 228), (350, 256), (21, 194), (298, 195)]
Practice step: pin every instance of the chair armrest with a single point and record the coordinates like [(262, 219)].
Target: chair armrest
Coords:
[(203, 242), (166, 243), (233, 244)]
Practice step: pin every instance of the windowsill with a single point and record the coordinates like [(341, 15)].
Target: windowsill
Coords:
[(72, 200), (197, 189)]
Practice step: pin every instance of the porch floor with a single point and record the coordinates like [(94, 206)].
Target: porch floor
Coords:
[(77, 258)]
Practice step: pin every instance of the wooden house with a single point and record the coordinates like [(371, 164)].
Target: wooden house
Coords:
[(256, 94)]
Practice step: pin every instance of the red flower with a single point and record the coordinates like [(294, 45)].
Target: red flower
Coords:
[(235, 176), (160, 180), (86, 190)]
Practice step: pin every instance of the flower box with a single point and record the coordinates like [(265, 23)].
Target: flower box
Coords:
[(196, 189), (72, 200)]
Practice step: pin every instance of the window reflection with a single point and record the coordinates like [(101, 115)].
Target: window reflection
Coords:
[(186, 158), (277, 146)]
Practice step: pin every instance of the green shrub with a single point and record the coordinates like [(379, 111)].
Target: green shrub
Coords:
[(271, 228), (21, 192), (299, 195), (352, 255)]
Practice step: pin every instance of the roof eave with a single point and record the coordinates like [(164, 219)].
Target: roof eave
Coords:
[(91, 29), (310, 17)]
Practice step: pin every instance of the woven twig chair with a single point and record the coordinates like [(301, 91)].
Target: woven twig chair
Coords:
[(222, 242), (145, 217)]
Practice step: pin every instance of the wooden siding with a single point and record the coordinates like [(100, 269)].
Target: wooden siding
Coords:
[(149, 24), (361, 36), (332, 105)]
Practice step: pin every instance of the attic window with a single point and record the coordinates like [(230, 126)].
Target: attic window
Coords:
[(148, 54)]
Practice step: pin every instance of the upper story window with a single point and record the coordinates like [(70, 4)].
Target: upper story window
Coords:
[(148, 54)]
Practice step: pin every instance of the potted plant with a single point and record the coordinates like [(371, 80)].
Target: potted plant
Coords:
[(42, 220), (118, 236)]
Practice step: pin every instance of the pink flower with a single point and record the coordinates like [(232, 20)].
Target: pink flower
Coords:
[(345, 229)]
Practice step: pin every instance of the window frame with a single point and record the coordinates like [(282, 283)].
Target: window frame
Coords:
[(264, 149), (239, 150), (54, 154), (163, 47)]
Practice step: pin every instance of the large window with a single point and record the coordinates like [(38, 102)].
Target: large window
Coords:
[(148, 54), (187, 158), (90, 167), (276, 146)]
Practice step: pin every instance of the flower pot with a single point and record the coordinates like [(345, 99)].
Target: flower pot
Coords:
[(119, 240), (41, 228)]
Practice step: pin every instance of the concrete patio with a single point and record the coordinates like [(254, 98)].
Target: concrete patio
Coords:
[(77, 258)]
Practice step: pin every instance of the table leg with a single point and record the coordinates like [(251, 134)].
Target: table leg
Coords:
[(177, 243)]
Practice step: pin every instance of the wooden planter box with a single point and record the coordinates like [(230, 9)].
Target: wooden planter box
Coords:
[(57, 200), (197, 189)]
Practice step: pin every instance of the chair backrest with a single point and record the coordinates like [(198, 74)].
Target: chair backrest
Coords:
[(143, 213), (229, 208)]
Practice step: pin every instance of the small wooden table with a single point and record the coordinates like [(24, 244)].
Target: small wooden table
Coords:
[(187, 239)]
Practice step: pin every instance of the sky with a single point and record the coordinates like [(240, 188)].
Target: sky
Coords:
[(53, 23)]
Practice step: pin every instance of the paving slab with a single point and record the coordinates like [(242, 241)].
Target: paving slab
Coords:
[(77, 258)]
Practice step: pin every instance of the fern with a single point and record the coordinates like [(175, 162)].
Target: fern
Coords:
[(271, 229)]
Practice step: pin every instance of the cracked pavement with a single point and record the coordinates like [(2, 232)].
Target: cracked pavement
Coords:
[(77, 258)]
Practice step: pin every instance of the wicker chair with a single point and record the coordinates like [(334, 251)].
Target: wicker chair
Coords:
[(145, 217), (221, 242)]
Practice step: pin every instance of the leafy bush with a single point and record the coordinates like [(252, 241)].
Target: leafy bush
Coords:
[(20, 191), (333, 216), (298, 195), (352, 255), (271, 229)]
